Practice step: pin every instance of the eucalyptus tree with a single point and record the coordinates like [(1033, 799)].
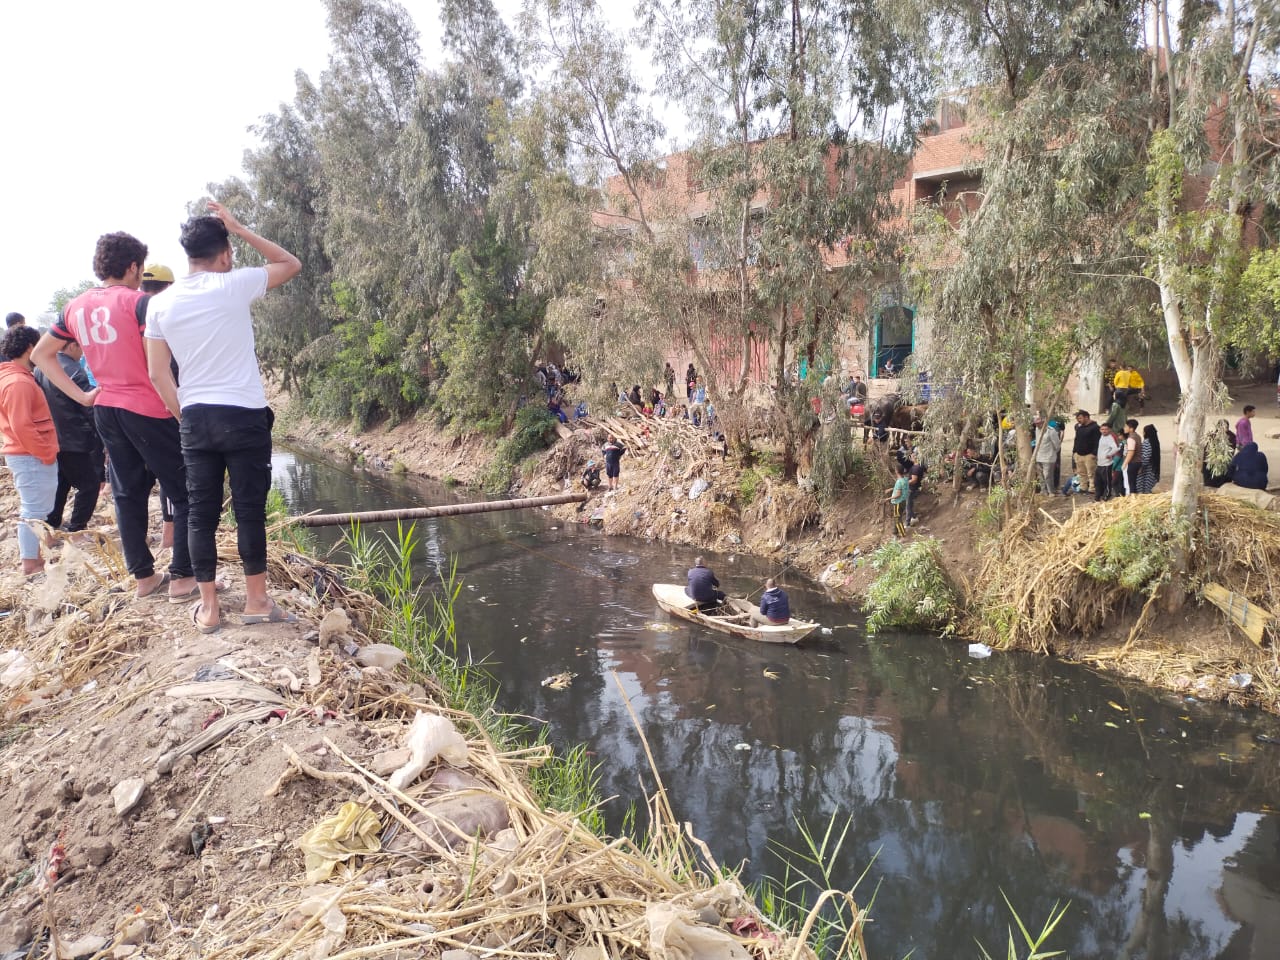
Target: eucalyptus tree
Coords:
[(468, 217), (1214, 166), (589, 145), (1023, 274), (804, 113), (281, 196)]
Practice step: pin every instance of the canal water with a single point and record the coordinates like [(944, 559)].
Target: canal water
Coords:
[(960, 781)]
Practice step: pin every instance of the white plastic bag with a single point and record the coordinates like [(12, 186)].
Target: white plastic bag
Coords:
[(15, 668), (430, 736), (698, 488)]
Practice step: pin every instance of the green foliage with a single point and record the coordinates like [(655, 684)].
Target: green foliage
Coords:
[(1260, 296), (838, 463), (1137, 551), (748, 483), (65, 295), (807, 887), (1034, 944), (989, 518), (485, 341), (912, 590), (534, 429)]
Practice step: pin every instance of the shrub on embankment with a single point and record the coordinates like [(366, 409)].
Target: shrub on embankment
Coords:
[(913, 590), (534, 429)]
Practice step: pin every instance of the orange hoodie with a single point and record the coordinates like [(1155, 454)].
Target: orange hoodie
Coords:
[(25, 420)]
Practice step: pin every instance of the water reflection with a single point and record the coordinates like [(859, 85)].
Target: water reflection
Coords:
[(962, 778)]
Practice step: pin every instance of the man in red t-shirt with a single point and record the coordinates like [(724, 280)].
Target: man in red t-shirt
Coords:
[(138, 431)]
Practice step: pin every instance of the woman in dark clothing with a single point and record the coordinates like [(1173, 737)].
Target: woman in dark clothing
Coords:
[(635, 398), (1222, 434), (1249, 468), (1149, 472)]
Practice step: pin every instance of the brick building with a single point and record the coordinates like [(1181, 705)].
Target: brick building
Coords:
[(879, 335)]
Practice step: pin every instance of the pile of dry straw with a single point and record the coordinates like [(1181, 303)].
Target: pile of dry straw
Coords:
[(1037, 593)]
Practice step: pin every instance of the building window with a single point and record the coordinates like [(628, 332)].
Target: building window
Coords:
[(893, 339)]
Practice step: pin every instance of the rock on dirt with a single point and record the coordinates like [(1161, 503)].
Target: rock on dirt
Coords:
[(127, 794)]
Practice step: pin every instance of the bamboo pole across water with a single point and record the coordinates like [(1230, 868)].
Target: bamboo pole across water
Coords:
[(448, 510)]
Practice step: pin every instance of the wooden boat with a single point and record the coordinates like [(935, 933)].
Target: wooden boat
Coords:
[(732, 617)]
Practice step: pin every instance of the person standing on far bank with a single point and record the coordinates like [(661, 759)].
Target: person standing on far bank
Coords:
[(203, 322), (1244, 427), (613, 451)]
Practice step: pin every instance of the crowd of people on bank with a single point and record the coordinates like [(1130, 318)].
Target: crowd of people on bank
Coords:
[(149, 378)]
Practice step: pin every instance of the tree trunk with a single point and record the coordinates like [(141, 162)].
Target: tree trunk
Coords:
[(1188, 481)]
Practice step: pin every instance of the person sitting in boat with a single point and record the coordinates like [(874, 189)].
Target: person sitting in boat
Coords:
[(703, 586), (591, 475), (775, 608)]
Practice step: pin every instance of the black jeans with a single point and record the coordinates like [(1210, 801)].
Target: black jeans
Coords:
[(83, 471), (219, 442), (137, 444)]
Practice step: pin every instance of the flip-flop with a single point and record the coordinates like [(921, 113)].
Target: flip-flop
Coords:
[(154, 591), (203, 627), (194, 593), (275, 615)]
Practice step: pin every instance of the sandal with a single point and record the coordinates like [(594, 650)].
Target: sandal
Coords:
[(194, 593), (154, 591), (203, 627), (274, 615)]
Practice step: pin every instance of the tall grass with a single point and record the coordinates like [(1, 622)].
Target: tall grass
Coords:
[(1034, 944), (418, 617), (808, 897)]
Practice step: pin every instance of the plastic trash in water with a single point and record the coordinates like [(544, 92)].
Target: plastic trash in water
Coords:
[(979, 651), (742, 746), (826, 631)]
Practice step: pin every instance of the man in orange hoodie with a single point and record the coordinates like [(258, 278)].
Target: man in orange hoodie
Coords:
[(30, 440)]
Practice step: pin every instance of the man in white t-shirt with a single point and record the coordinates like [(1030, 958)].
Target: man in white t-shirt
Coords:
[(203, 322)]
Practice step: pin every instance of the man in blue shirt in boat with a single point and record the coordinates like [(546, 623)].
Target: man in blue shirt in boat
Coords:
[(775, 608), (703, 586)]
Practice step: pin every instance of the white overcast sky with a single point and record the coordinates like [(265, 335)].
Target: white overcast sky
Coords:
[(115, 116)]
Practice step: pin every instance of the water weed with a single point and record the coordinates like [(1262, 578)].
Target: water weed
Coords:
[(807, 898), (912, 591), (1033, 944)]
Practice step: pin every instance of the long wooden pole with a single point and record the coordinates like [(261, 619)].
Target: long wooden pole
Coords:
[(448, 510)]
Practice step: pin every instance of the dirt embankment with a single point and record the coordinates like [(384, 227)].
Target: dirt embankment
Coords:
[(163, 789)]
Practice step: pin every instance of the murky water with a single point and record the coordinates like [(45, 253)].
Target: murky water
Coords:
[(961, 781)]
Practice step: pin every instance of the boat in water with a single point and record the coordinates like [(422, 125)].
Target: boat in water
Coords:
[(732, 617)]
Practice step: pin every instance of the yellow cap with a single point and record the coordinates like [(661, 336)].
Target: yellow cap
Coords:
[(157, 271)]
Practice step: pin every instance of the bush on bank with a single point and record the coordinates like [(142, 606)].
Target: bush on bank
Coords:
[(912, 591)]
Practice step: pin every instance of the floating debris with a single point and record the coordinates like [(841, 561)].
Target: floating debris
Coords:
[(979, 651), (658, 627), (560, 681)]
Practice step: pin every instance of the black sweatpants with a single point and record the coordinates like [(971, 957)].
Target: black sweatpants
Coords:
[(82, 471), (137, 444), (221, 442)]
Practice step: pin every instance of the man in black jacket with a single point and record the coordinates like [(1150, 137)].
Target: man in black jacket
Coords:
[(703, 586), (1085, 449), (80, 455)]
